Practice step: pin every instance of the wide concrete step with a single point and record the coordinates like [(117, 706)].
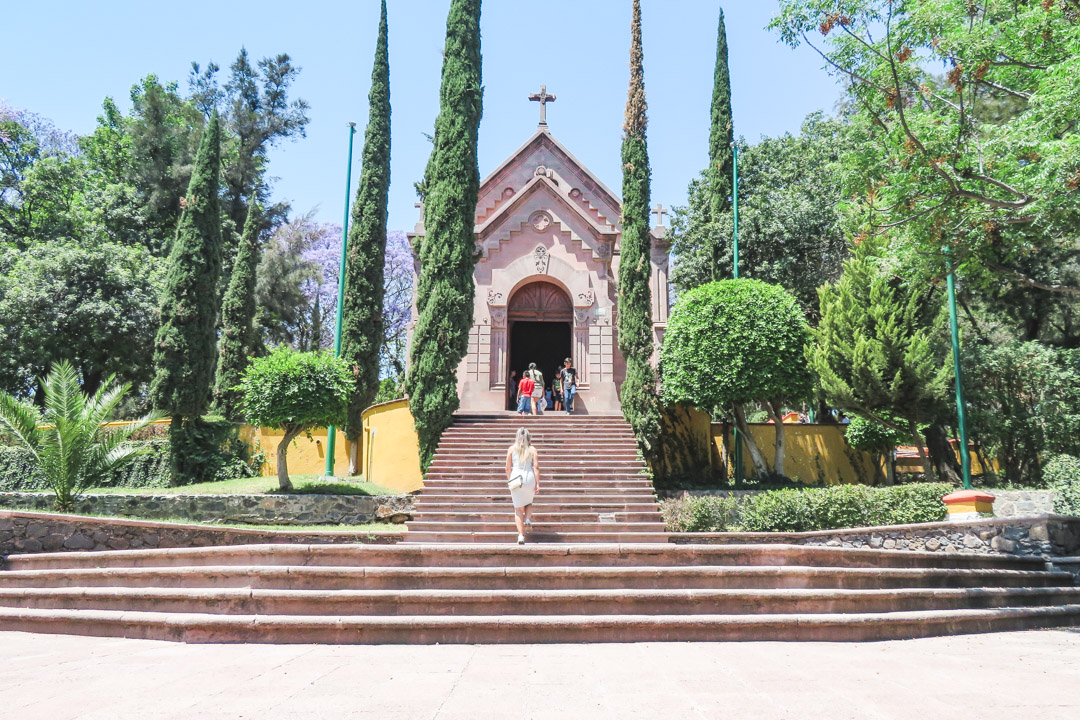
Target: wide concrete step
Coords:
[(504, 578), (545, 498), (499, 483), (541, 505), (462, 489), (538, 518), (604, 555), (207, 627), (536, 536), (506, 525), (247, 601)]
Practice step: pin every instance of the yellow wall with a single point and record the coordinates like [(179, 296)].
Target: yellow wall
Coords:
[(307, 455), (814, 454), (390, 448)]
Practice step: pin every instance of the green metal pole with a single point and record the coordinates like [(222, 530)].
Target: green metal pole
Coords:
[(961, 411), (735, 273), (331, 432)]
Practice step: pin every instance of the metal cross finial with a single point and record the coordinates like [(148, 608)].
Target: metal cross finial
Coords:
[(543, 98), (660, 212)]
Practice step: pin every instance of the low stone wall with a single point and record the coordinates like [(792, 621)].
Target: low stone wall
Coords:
[(29, 532), (248, 509), (1046, 535), (1007, 503)]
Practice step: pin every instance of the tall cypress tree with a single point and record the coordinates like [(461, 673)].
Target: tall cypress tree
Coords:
[(362, 323), (450, 189), (721, 135), (185, 351), (238, 338), (639, 399)]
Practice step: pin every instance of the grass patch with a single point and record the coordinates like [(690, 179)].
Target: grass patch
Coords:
[(302, 485)]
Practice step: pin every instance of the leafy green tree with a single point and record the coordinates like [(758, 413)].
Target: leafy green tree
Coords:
[(981, 167), (789, 227), (640, 403), (295, 392), (872, 437), (450, 189), (92, 305), (362, 329), (238, 338), (721, 154), (1023, 404), (69, 441), (878, 348), (734, 342), (185, 350)]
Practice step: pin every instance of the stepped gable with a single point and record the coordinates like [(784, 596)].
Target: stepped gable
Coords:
[(425, 594), (594, 485)]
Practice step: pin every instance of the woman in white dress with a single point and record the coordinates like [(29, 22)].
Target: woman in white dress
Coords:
[(522, 461)]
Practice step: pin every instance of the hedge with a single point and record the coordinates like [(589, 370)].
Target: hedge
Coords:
[(19, 473), (1062, 475), (800, 510)]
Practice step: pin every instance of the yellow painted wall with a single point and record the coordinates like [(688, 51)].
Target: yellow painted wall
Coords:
[(307, 456), (814, 454), (390, 448)]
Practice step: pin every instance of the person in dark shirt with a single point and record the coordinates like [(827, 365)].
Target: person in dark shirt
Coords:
[(568, 379)]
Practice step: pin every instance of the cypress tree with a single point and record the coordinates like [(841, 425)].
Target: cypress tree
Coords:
[(238, 338), (362, 323), (185, 350), (721, 135), (450, 189), (639, 399)]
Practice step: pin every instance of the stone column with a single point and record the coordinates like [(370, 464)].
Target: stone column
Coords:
[(499, 359), (581, 344)]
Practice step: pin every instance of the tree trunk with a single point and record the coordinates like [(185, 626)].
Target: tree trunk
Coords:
[(725, 452), (354, 454), (774, 410), (916, 437), (760, 467), (942, 454), (890, 467), (284, 484)]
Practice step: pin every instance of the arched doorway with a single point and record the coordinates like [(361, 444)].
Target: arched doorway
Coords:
[(540, 316)]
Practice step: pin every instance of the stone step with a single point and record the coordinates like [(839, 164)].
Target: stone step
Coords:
[(286, 577), (616, 555), (465, 489), (246, 601), (538, 518), (206, 627), (506, 525), (499, 482), (509, 538)]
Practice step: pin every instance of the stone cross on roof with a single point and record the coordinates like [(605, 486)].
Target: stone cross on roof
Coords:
[(659, 212), (543, 98)]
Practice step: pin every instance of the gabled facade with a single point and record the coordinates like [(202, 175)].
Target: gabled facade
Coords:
[(547, 243)]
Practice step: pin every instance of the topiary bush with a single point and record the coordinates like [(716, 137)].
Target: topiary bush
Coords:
[(1062, 475)]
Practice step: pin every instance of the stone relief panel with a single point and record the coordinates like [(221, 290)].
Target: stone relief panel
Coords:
[(494, 298), (603, 250), (587, 298), (498, 317), (541, 259)]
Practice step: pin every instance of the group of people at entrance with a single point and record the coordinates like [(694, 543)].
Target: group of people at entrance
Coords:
[(533, 396)]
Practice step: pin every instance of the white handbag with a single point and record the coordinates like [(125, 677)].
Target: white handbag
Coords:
[(517, 479)]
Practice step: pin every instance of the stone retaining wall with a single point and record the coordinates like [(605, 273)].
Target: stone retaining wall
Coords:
[(1048, 535), (267, 509), (30, 532), (1007, 503)]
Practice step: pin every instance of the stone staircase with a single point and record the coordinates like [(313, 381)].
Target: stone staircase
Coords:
[(486, 593), (594, 486)]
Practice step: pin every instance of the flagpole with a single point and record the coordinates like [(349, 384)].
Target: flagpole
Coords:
[(331, 432)]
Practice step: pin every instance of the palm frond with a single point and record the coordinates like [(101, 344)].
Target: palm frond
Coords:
[(20, 421)]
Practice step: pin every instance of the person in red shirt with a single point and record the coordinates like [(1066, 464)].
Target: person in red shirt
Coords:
[(525, 391)]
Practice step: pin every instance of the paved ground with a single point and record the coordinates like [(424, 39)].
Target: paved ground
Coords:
[(1014, 675)]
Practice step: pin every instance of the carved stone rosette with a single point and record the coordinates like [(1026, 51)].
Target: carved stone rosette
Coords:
[(498, 316)]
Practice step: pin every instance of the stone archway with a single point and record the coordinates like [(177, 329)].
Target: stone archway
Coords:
[(540, 317)]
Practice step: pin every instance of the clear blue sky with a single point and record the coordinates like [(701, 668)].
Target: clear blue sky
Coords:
[(61, 59)]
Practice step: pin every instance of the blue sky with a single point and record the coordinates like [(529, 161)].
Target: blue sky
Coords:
[(67, 56)]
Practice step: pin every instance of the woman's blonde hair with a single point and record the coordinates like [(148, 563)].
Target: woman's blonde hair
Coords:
[(522, 443)]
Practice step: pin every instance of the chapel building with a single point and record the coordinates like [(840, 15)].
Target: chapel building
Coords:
[(547, 243)]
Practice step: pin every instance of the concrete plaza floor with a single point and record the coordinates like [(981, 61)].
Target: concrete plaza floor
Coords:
[(1032, 674)]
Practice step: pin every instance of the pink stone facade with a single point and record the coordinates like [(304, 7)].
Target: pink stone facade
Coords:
[(547, 242)]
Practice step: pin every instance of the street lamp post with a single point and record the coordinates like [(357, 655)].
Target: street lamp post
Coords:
[(961, 410), (735, 273), (331, 431)]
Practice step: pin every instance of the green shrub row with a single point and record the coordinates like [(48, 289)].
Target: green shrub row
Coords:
[(19, 473), (800, 510), (1062, 475)]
